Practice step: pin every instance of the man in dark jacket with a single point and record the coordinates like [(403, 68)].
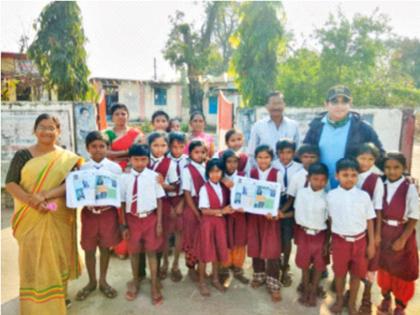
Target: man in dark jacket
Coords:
[(339, 132)]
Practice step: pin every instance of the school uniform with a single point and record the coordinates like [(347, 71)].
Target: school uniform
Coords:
[(297, 181), (311, 217), (100, 224), (398, 270), (264, 239), (140, 192), (211, 241), (244, 163), (349, 211), (193, 178), (373, 185)]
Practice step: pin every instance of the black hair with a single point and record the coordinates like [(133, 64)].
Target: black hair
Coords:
[(227, 154), (82, 109), (177, 136), (195, 143), (369, 148), (117, 106), (160, 113), (308, 148), (95, 135), (264, 148), (46, 116), (396, 156), (230, 133), (273, 93), (196, 113), (285, 144), (139, 150), (345, 164), (156, 135), (212, 164), (318, 169)]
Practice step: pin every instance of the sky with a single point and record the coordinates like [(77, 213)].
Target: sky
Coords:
[(124, 37)]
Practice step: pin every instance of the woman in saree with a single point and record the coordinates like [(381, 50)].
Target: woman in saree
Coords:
[(43, 226), (121, 137)]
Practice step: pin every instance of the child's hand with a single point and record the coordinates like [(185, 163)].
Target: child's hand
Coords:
[(227, 182), (280, 215), (269, 216), (371, 250), (43, 207), (36, 199), (160, 179), (242, 210), (227, 210), (159, 229), (125, 234), (398, 244)]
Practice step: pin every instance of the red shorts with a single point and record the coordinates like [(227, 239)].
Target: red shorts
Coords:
[(99, 229), (349, 256), (310, 250), (143, 235)]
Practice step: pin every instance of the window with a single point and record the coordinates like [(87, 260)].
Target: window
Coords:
[(160, 96), (212, 104)]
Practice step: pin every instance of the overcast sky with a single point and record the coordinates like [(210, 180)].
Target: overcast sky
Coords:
[(125, 36)]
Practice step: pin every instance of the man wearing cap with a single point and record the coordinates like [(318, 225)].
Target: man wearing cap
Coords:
[(339, 132), (269, 130)]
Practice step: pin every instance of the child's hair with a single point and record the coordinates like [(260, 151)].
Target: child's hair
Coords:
[(368, 148), (117, 106), (139, 150), (274, 93), (226, 155), (285, 144), (194, 144), (345, 164), (160, 113), (318, 169), (44, 117), (196, 113), (396, 156), (95, 135), (230, 133), (264, 148), (156, 135), (177, 136), (308, 149), (173, 120), (212, 164)]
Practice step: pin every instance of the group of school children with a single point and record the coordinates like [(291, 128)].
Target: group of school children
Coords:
[(366, 224)]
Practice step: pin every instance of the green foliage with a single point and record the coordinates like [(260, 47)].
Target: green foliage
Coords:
[(58, 50), (258, 43)]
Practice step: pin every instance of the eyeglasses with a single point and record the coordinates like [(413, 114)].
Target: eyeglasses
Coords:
[(42, 128)]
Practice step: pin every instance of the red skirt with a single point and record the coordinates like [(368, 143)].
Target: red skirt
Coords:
[(263, 237), (190, 229), (211, 241), (176, 223), (236, 230)]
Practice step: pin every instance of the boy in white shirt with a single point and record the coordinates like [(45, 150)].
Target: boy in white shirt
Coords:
[(351, 213), (311, 237), (141, 196)]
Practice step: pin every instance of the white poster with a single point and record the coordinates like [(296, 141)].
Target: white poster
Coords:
[(255, 196)]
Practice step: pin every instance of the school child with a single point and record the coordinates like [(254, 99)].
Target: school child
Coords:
[(399, 260), (177, 143), (307, 154), (234, 140), (285, 150), (168, 177), (312, 231), (175, 125), (197, 127), (351, 213), (160, 121), (192, 179), (211, 243), (236, 224), (141, 196), (264, 244), (373, 185), (99, 224)]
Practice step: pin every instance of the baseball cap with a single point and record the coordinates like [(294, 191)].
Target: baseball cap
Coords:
[(338, 90)]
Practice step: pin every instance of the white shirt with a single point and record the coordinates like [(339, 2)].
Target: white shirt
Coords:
[(349, 210), (182, 161), (292, 168), (187, 181), (297, 181), (204, 202), (262, 175), (266, 132), (378, 192), (311, 208), (105, 164), (148, 190), (171, 175), (412, 199)]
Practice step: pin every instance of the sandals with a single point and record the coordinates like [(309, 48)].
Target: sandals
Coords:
[(132, 291), (255, 284), (385, 306), (84, 293), (204, 290), (157, 299), (108, 291), (176, 275)]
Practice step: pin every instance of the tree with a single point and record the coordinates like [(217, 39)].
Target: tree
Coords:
[(58, 50), (258, 42)]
